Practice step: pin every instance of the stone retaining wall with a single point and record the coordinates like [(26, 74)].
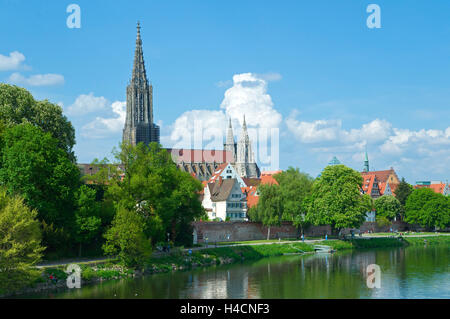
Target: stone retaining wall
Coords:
[(241, 231)]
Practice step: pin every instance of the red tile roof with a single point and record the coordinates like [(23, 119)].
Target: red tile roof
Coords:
[(437, 188), (271, 172), (252, 198), (367, 185), (382, 176), (200, 156), (217, 172)]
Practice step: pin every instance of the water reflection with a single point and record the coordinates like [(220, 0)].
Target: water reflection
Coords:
[(406, 273)]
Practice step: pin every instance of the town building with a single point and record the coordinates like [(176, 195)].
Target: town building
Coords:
[(377, 184), (437, 186), (251, 190), (202, 164), (224, 200)]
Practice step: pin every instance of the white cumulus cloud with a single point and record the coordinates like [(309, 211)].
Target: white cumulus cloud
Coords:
[(249, 96), (418, 152), (87, 103), (11, 62), (207, 128), (37, 79), (103, 127)]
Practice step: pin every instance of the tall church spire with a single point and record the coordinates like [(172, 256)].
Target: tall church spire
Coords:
[(139, 126), (230, 144), (245, 160), (244, 133), (366, 162), (139, 74)]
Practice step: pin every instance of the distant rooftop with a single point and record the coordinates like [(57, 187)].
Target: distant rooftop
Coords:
[(334, 161)]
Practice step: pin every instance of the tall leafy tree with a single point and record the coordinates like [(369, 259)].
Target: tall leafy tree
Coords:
[(388, 207), (336, 199), (402, 191), (17, 106), (126, 238), (152, 185), (20, 241), (87, 217), (427, 208), (34, 166), (269, 210), (295, 187), (436, 213)]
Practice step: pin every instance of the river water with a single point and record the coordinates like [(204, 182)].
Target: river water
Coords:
[(413, 272)]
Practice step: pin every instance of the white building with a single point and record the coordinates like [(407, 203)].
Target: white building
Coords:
[(224, 200), (227, 171)]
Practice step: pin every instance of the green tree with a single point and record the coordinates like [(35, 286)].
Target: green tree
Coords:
[(87, 217), (269, 209), (152, 185), (20, 241), (388, 207), (402, 191), (33, 166), (436, 213), (427, 208), (295, 187), (18, 106), (126, 238), (336, 199)]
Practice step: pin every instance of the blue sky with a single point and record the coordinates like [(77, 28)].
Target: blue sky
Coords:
[(311, 69)]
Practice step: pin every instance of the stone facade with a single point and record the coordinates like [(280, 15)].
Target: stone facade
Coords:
[(139, 126)]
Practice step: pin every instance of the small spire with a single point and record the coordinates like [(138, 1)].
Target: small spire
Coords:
[(366, 162), (229, 125), (138, 36), (244, 125)]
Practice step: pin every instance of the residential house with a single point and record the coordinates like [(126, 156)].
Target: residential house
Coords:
[(224, 200)]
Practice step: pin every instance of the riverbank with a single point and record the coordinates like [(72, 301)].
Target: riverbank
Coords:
[(179, 259)]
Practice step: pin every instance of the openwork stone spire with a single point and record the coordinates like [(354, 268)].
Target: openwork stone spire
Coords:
[(230, 144), (139, 74), (245, 160), (139, 126)]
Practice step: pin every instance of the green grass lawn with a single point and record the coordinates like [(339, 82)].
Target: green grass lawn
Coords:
[(404, 234)]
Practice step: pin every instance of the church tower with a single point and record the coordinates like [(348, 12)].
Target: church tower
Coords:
[(139, 126), (366, 163), (230, 145), (245, 160)]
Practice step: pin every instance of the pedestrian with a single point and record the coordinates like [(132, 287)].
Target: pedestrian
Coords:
[(326, 236), (303, 237)]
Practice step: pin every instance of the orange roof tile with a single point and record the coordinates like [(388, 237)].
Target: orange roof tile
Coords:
[(382, 176), (217, 172), (252, 198), (438, 188)]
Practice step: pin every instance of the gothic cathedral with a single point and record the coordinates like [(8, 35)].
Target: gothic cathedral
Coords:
[(244, 159)]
